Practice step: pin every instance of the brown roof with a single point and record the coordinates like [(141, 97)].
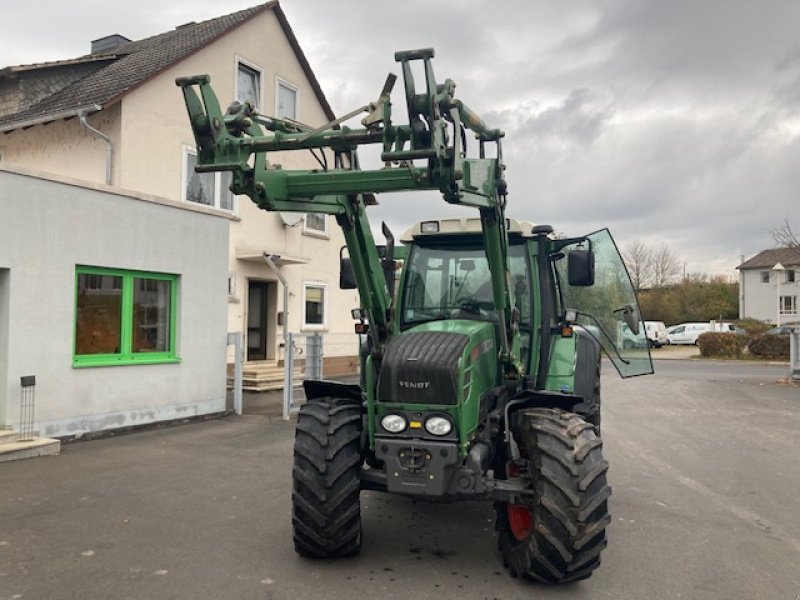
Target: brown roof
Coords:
[(124, 68), (788, 257)]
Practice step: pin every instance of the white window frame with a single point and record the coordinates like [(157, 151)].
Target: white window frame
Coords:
[(316, 232), (791, 276), (316, 326), (191, 151), (761, 277), (785, 312), (261, 79), (280, 81)]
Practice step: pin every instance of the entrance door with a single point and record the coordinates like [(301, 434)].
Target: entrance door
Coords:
[(257, 320)]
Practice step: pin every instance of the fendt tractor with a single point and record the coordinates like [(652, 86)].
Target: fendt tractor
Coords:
[(480, 365)]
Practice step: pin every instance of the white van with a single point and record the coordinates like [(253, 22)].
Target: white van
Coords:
[(656, 333), (687, 333)]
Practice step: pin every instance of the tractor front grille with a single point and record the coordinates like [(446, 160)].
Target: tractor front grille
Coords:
[(422, 368)]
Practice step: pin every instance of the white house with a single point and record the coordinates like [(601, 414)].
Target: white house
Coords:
[(770, 285)]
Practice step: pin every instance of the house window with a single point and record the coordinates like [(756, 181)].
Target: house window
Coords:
[(788, 305), (790, 277), (209, 189), (314, 305), (286, 100), (764, 277), (124, 317), (248, 84), (316, 224)]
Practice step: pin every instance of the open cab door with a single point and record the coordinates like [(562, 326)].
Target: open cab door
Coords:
[(597, 296)]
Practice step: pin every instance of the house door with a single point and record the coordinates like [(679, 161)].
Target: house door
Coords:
[(257, 320)]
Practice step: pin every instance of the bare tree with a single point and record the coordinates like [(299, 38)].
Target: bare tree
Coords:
[(665, 265), (786, 236), (638, 259), (650, 266)]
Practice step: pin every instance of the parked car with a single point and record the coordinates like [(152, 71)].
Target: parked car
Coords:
[(656, 333), (687, 333), (781, 329)]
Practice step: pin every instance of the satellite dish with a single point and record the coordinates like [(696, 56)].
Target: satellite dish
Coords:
[(290, 219)]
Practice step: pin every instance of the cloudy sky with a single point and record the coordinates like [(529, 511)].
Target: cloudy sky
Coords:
[(672, 122)]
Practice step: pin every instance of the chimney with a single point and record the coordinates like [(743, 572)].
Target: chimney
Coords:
[(109, 42)]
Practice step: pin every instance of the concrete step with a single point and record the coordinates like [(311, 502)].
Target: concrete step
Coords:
[(263, 376), (28, 449), (7, 436)]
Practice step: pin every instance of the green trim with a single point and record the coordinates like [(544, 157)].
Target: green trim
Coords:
[(127, 356)]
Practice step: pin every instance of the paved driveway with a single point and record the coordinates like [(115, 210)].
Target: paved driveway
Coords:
[(704, 465)]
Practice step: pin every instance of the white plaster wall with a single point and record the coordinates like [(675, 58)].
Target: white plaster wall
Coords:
[(49, 227)]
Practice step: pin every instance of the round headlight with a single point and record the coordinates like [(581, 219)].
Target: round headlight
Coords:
[(394, 423), (438, 426)]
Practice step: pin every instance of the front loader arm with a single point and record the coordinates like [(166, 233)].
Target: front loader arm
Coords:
[(428, 153)]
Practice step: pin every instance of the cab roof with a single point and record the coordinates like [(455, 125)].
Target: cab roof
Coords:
[(451, 227)]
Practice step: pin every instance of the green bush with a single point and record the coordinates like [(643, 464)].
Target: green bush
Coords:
[(753, 327), (770, 346), (721, 344)]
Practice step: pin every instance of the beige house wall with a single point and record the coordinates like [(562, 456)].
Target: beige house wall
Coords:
[(65, 148)]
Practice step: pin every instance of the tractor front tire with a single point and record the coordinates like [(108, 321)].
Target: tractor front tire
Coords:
[(558, 534), (326, 509)]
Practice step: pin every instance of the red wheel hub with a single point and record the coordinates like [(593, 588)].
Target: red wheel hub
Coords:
[(520, 519)]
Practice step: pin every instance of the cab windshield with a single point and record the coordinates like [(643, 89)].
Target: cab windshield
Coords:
[(454, 282)]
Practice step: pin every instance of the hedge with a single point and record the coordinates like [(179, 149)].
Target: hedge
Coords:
[(721, 344), (770, 346)]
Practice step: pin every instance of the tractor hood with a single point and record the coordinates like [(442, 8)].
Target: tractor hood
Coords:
[(434, 363)]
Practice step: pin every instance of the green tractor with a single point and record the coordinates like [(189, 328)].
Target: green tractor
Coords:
[(480, 367)]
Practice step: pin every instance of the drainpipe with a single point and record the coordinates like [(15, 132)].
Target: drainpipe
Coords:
[(271, 264), (100, 134)]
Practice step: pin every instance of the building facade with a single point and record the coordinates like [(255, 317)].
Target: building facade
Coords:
[(121, 268), (115, 116), (770, 286)]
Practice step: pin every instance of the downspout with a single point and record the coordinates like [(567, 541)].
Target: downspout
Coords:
[(100, 134), (271, 264), (288, 355)]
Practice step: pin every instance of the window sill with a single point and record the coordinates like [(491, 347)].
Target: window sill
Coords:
[(107, 361), (323, 235)]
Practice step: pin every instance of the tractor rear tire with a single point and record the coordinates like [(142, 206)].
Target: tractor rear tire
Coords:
[(558, 535), (326, 509)]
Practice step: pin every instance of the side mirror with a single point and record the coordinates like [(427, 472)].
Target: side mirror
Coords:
[(631, 317), (347, 277), (580, 268)]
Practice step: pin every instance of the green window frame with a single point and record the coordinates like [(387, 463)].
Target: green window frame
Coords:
[(123, 327)]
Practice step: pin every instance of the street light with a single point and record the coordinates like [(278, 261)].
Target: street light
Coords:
[(778, 269)]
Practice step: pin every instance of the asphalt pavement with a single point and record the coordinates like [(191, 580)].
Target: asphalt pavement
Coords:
[(704, 466)]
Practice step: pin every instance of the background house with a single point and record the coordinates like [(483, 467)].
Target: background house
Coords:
[(113, 125), (764, 291)]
